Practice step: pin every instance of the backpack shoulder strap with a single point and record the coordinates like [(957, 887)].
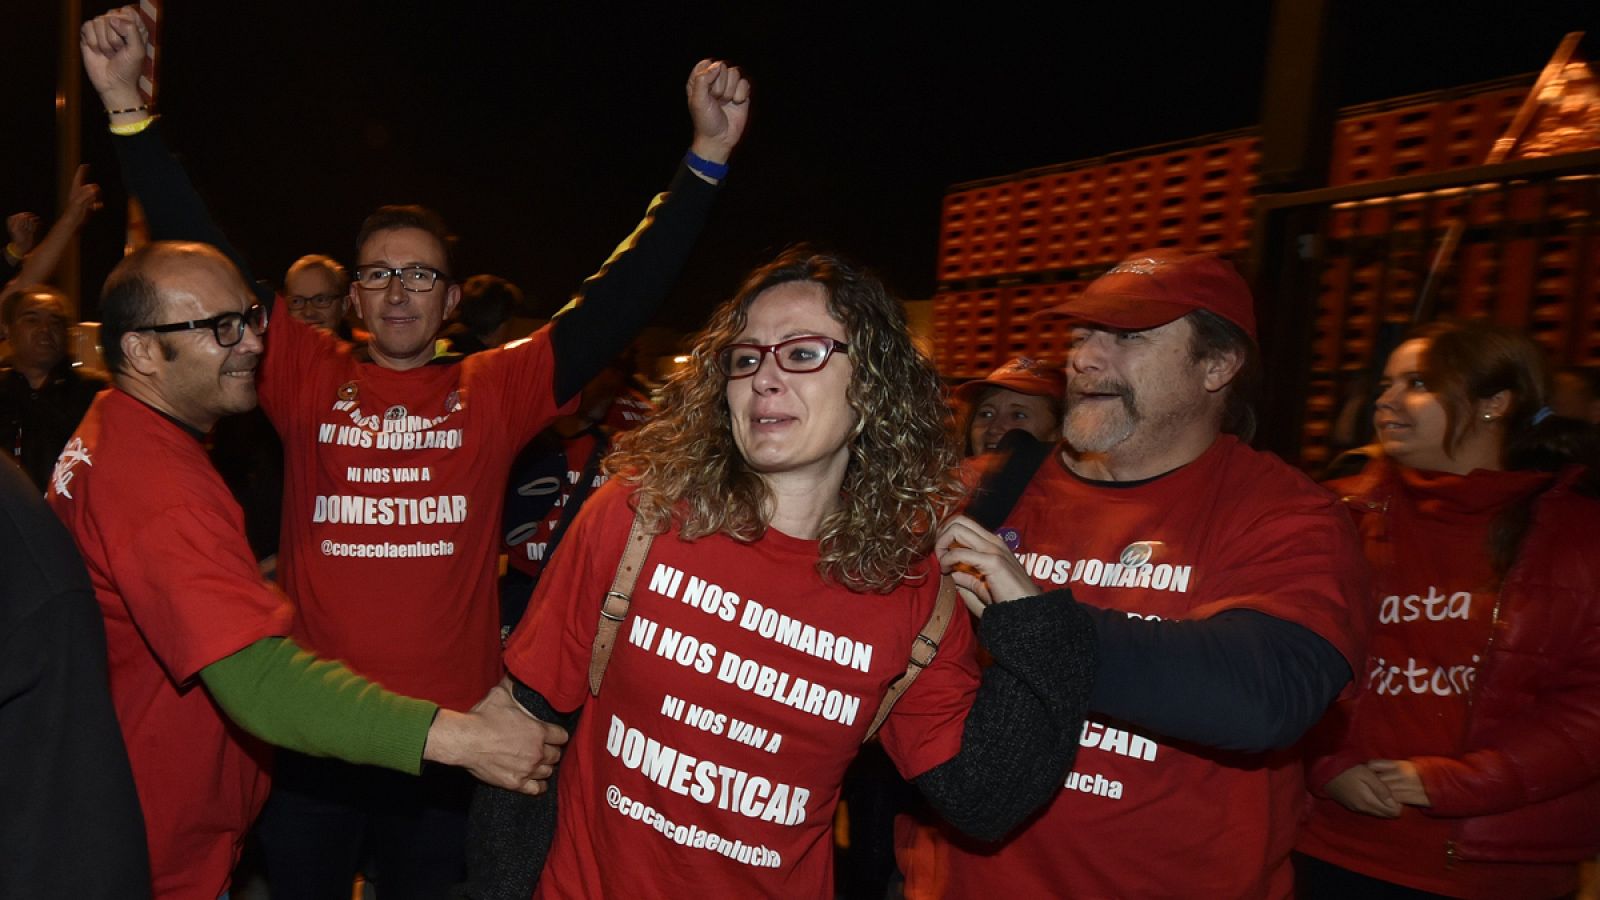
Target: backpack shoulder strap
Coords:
[(614, 606), (923, 649)]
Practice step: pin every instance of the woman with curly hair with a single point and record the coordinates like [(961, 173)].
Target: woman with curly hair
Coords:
[(1469, 765), (793, 483)]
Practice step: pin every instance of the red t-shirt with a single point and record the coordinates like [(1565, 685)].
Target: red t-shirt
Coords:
[(393, 486), (1434, 616), (165, 546), (740, 688), (1140, 816)]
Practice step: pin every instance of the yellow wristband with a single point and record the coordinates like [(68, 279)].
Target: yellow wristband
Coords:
[(14, 252), (128, 128)]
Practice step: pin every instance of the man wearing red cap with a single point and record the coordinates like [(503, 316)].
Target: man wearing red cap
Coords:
[(1225, 588)]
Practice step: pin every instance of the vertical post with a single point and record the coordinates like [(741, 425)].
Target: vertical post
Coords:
[(69, 142), (1297, 119)]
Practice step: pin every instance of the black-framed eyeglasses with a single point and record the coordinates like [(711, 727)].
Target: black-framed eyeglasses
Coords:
[(319, 301), (801, 354), (417, 279), (228, 327)]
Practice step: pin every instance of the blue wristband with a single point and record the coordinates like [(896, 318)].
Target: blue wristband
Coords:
[(714, 171)]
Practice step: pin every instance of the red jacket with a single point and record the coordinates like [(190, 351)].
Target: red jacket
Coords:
[(1524, 785)]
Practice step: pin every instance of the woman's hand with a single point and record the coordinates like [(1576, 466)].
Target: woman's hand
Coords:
[(1402, 779), (1359, 789)]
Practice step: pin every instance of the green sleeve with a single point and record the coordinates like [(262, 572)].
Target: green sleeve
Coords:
[(287, 696)]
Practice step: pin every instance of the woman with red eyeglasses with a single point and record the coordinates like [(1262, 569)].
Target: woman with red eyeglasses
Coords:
[(792, 486)]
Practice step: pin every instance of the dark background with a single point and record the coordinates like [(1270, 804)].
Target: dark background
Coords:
[(541, 129)]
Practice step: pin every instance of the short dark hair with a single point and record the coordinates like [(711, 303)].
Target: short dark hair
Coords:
[(1211, 336), (411, 215), (486, 302), (129, 301)]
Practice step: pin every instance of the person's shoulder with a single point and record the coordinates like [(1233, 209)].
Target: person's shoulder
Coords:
[(537, 342), (1562, 544), (120, 436), (612, 505), (1265, 478), (1569, 503)]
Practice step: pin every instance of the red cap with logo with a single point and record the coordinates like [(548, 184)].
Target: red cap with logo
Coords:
[(1154, 287), (1023, 375)]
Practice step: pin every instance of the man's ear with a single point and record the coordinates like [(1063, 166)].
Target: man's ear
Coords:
[(452, 299), (140, 352), (1221, 368)]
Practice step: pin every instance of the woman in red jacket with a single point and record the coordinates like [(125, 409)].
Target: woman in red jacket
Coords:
[(1469, 765)]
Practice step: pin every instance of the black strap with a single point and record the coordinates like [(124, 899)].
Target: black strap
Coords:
[(998, 494), (580, 492)]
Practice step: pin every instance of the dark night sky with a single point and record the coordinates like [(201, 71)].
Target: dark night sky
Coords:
[(540, 129)]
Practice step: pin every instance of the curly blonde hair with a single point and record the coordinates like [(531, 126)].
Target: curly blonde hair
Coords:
[(900, 480)]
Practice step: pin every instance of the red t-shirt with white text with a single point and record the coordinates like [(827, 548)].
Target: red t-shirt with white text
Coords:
[(1140, 816), (740, 688), (178, 587), (393, 487)]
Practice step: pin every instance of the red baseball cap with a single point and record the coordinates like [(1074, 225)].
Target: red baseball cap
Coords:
[(1023, 375), (1154, 287)]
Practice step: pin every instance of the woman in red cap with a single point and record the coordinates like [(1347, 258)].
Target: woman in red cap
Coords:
[(1023, 394)]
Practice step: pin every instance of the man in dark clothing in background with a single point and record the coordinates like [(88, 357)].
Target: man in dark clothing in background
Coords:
[(70, 820), (42, 395)]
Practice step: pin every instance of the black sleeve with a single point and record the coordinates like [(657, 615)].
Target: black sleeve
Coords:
[(69, 821), (172, 207), (1240, 680), (1022, 732), (509, 834), (618, 301)]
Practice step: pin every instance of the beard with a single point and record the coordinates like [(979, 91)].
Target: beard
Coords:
[(1096, 426)]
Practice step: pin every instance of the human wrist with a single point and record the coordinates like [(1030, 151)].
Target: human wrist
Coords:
[(706, 170), (124, 105), (710, 150), (14, 253), (120, 96), (446, 738)]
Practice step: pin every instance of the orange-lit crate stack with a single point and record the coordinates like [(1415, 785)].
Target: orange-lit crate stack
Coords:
[(1014, 245), (1527, 256)]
